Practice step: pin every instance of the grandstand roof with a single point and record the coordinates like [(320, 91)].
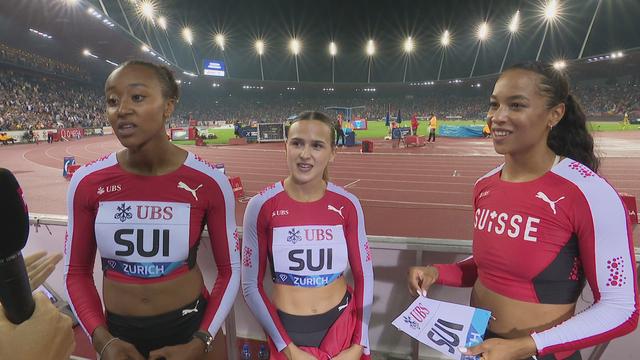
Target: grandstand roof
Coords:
[(349, 23)]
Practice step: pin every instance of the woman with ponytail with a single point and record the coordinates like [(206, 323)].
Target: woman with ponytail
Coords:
[(309, 230), (544, 224)]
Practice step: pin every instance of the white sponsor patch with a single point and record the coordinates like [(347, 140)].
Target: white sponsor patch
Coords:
[(309, 250), (143, 231)]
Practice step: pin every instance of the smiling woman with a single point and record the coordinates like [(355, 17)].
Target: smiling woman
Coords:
[(545, 223), (310, 230), (147, 227)]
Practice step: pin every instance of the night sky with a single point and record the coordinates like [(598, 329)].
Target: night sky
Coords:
[(350, 23)]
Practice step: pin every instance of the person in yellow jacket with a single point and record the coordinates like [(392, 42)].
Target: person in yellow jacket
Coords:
[(486, 132), (625, 120), (433, 124)]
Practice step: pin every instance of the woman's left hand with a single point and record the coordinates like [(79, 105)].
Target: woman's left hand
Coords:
[(503, 349), (352, 353), (193, 350)]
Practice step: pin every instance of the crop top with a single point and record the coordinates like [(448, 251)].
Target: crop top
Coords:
[(308, 245), (538, 241), (147, 230)]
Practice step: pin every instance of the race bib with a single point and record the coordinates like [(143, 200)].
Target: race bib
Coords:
[(444, 326), (144, 239), (309, 256)]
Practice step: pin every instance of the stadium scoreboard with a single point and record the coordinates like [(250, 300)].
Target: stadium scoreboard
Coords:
[(214, 68), (271, 132)]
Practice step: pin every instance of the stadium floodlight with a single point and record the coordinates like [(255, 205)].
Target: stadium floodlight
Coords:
[(145, 48), (513, 29), (371, 48), (219, 39), (515, 23), (162, 21), (187, 35), (260, 47), (408, 48), (333, 50), (147, 9), (295, 46), (483, 34), (445, 40), (409, 45), (559, 65), (260, 51), (71, 2), (620, 54), (483, 31), (551, 10)]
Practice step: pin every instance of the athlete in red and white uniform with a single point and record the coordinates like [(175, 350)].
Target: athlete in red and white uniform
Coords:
[(544, 224), (308, 245), (147, 229), (574, 224), (310, 231), (144, 209)]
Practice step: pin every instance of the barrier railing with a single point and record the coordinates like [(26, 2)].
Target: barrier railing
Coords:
[(419, 245)]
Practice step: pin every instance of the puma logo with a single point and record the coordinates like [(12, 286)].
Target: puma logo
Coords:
[(341, 307), (184, 186), (195, 308), (542, 196), (332, 208)]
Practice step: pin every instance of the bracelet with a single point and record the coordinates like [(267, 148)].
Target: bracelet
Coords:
[(104, 348)]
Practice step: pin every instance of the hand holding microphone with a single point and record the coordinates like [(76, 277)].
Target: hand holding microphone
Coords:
[(15, 291), (25, 334)]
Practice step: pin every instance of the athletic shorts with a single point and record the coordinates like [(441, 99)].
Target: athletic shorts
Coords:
[(148, 333), (325, 335)]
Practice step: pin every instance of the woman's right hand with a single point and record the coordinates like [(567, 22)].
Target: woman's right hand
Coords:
[(121, 350), (420, 278), (292, 352)]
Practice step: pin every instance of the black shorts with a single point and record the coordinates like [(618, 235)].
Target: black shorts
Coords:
[(309, 330), (148, 333), (575, 356)]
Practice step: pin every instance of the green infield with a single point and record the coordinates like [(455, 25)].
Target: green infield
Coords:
[(377, 130)]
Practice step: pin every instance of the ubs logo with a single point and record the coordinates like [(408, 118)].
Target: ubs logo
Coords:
[(294, 236), (124, 213)]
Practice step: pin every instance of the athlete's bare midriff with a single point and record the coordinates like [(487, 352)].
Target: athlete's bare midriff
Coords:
[(152, 299), (308, 301), (515, 318)]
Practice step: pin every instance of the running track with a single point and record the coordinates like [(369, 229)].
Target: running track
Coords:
[(404, 192)]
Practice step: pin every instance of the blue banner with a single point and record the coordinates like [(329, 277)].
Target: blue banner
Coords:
[(461, 131)]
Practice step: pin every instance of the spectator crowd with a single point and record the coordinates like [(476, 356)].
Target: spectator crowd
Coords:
[(37, 99)]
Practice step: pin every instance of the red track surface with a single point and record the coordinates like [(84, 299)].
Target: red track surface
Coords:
[(404, 192)]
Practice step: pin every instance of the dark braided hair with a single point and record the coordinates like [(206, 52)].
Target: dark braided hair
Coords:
[(570, 137)]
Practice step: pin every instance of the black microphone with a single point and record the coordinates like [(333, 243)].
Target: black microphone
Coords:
[(15, 291)]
